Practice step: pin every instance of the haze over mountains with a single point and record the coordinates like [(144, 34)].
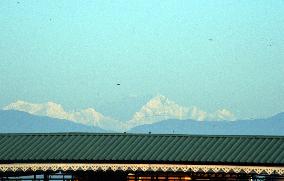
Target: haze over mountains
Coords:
[(158, 115), (161, 108), (12, 121), (269, 126), (155, 110), (88, 117)]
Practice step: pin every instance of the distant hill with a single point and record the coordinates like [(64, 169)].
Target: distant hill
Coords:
[(12, 121), (269, 126), (21, 122)]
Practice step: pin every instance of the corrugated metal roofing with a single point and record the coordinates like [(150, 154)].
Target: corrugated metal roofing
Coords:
[(141, 148)]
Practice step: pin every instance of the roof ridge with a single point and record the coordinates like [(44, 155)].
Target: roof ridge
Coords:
[(138, 134)]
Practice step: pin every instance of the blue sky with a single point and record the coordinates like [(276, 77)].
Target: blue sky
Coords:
[(211, 54)]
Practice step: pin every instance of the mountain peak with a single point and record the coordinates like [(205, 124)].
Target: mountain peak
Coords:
[(87, 116), (160, 97), (159, 101), (157, 109), (51, 104), (16, 103), (160, 108)]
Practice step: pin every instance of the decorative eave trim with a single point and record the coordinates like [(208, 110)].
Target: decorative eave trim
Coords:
[(139, 167)]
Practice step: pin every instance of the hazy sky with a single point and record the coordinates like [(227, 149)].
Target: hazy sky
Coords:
[(211, 54)]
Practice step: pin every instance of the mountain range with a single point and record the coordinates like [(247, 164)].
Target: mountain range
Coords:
[(12, 121), (158, 115), (21, 122), (155, 110), (269, 126)]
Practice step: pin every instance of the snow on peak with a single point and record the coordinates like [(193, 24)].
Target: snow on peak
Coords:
[(160, 108), (87, 116), (50, 109), (156, 109)]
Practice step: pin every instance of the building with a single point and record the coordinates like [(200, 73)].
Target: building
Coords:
[(140, 157)]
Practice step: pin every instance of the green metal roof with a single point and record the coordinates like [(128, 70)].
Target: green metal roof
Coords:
[(141, 148)]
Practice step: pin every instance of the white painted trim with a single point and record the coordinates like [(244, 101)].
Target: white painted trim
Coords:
[(136, 167)]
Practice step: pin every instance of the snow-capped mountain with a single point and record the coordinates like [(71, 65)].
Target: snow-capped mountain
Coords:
[(87, 116), (157, 109), (161, 108), (12, 121)]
